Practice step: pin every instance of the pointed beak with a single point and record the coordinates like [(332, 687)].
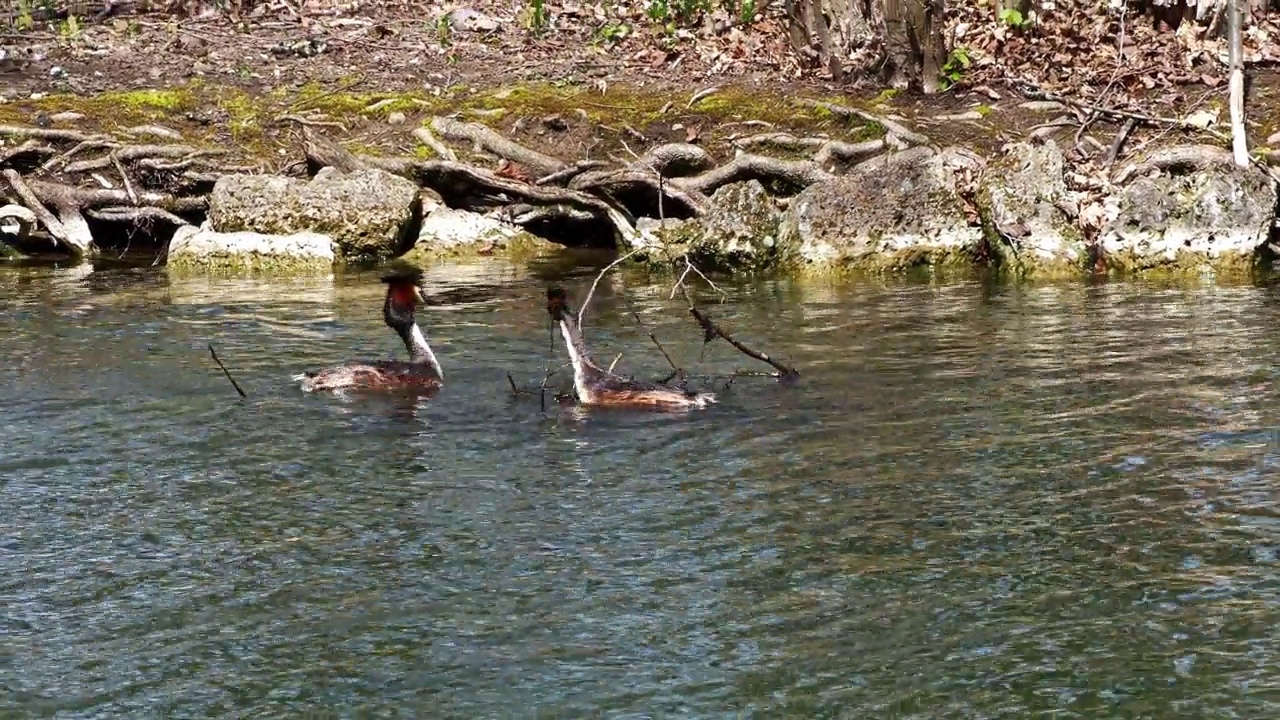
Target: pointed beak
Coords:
[(418, 295)]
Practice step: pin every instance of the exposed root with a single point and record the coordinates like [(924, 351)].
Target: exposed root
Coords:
[(793, 173), (131, 153), (894, 128), (491, 141), (49, 134), (157, 131), (783, 140), (136, 215), (848, 152), (642, 192), (66, 221), (17, 221), (442, 151), (674, 160), (18, 154), (79, 148), (463, 185), (1180, 159), (561, 177), (308, 122)]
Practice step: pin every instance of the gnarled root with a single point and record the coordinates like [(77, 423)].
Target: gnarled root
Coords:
[(461, 185), (639, 193), (66, 222), (1183, 158), (489, 140), (674, 160), (793, 173)]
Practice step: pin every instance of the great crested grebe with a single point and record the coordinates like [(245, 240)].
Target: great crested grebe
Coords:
[(422, 370), (597, 386)]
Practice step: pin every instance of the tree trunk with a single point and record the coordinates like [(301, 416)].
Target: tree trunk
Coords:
[(899, 41)]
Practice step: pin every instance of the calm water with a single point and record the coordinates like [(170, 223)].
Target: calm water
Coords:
[(1055, 501)]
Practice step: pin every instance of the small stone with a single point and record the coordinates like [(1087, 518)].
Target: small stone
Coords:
[(66, 117), (396, 118), (57, 71), (1274, 140), (37, 96)]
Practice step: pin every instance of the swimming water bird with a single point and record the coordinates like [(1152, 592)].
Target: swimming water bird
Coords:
[(422, 370), (597, 386)]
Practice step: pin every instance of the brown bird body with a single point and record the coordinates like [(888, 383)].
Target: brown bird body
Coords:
[(421, 372), (599, 387)]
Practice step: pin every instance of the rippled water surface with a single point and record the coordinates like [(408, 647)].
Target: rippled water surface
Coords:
[(1051, 501)]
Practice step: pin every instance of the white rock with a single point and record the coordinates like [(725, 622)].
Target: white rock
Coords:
[(203, 246)]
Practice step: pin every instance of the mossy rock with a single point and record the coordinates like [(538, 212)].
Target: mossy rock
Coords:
[(889, 214), (1021, 199), (448, 233), (1215, 219), (368, 213), (195, 251)]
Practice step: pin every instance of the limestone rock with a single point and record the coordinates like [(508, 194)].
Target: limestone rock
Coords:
[(368, 213), (447, 232), (739, 229), (1215, 216), (892, 212), (204, 248), (1027, 200)]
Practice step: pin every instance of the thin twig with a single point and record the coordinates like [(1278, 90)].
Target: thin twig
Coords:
[(654, 338), (712, 331), (234, 384), (1118, 143), (582, 311)]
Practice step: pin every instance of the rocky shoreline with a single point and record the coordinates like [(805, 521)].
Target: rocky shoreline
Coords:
[(843, 188)]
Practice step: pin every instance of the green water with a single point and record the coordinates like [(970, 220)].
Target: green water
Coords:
[(981, 502)]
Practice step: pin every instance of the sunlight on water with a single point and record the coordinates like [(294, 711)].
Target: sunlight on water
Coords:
[(981, 501)]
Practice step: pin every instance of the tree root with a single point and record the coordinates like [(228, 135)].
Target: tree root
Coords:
[(794, 173), (561, 177), (19, 154), (824, 149), (23, 218), (491, 141), (639, 192), (49, 134), (142, 153), (136, 215), (892, 127), (674, 160), (442, 151), (462, 185), (1180, 159)]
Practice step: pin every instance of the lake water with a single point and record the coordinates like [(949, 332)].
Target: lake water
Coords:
[(981, 501)]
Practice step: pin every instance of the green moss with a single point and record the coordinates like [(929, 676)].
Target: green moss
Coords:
[(108, 111), (169, 99), (247, 264), (1187, 265), (886, 95)]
